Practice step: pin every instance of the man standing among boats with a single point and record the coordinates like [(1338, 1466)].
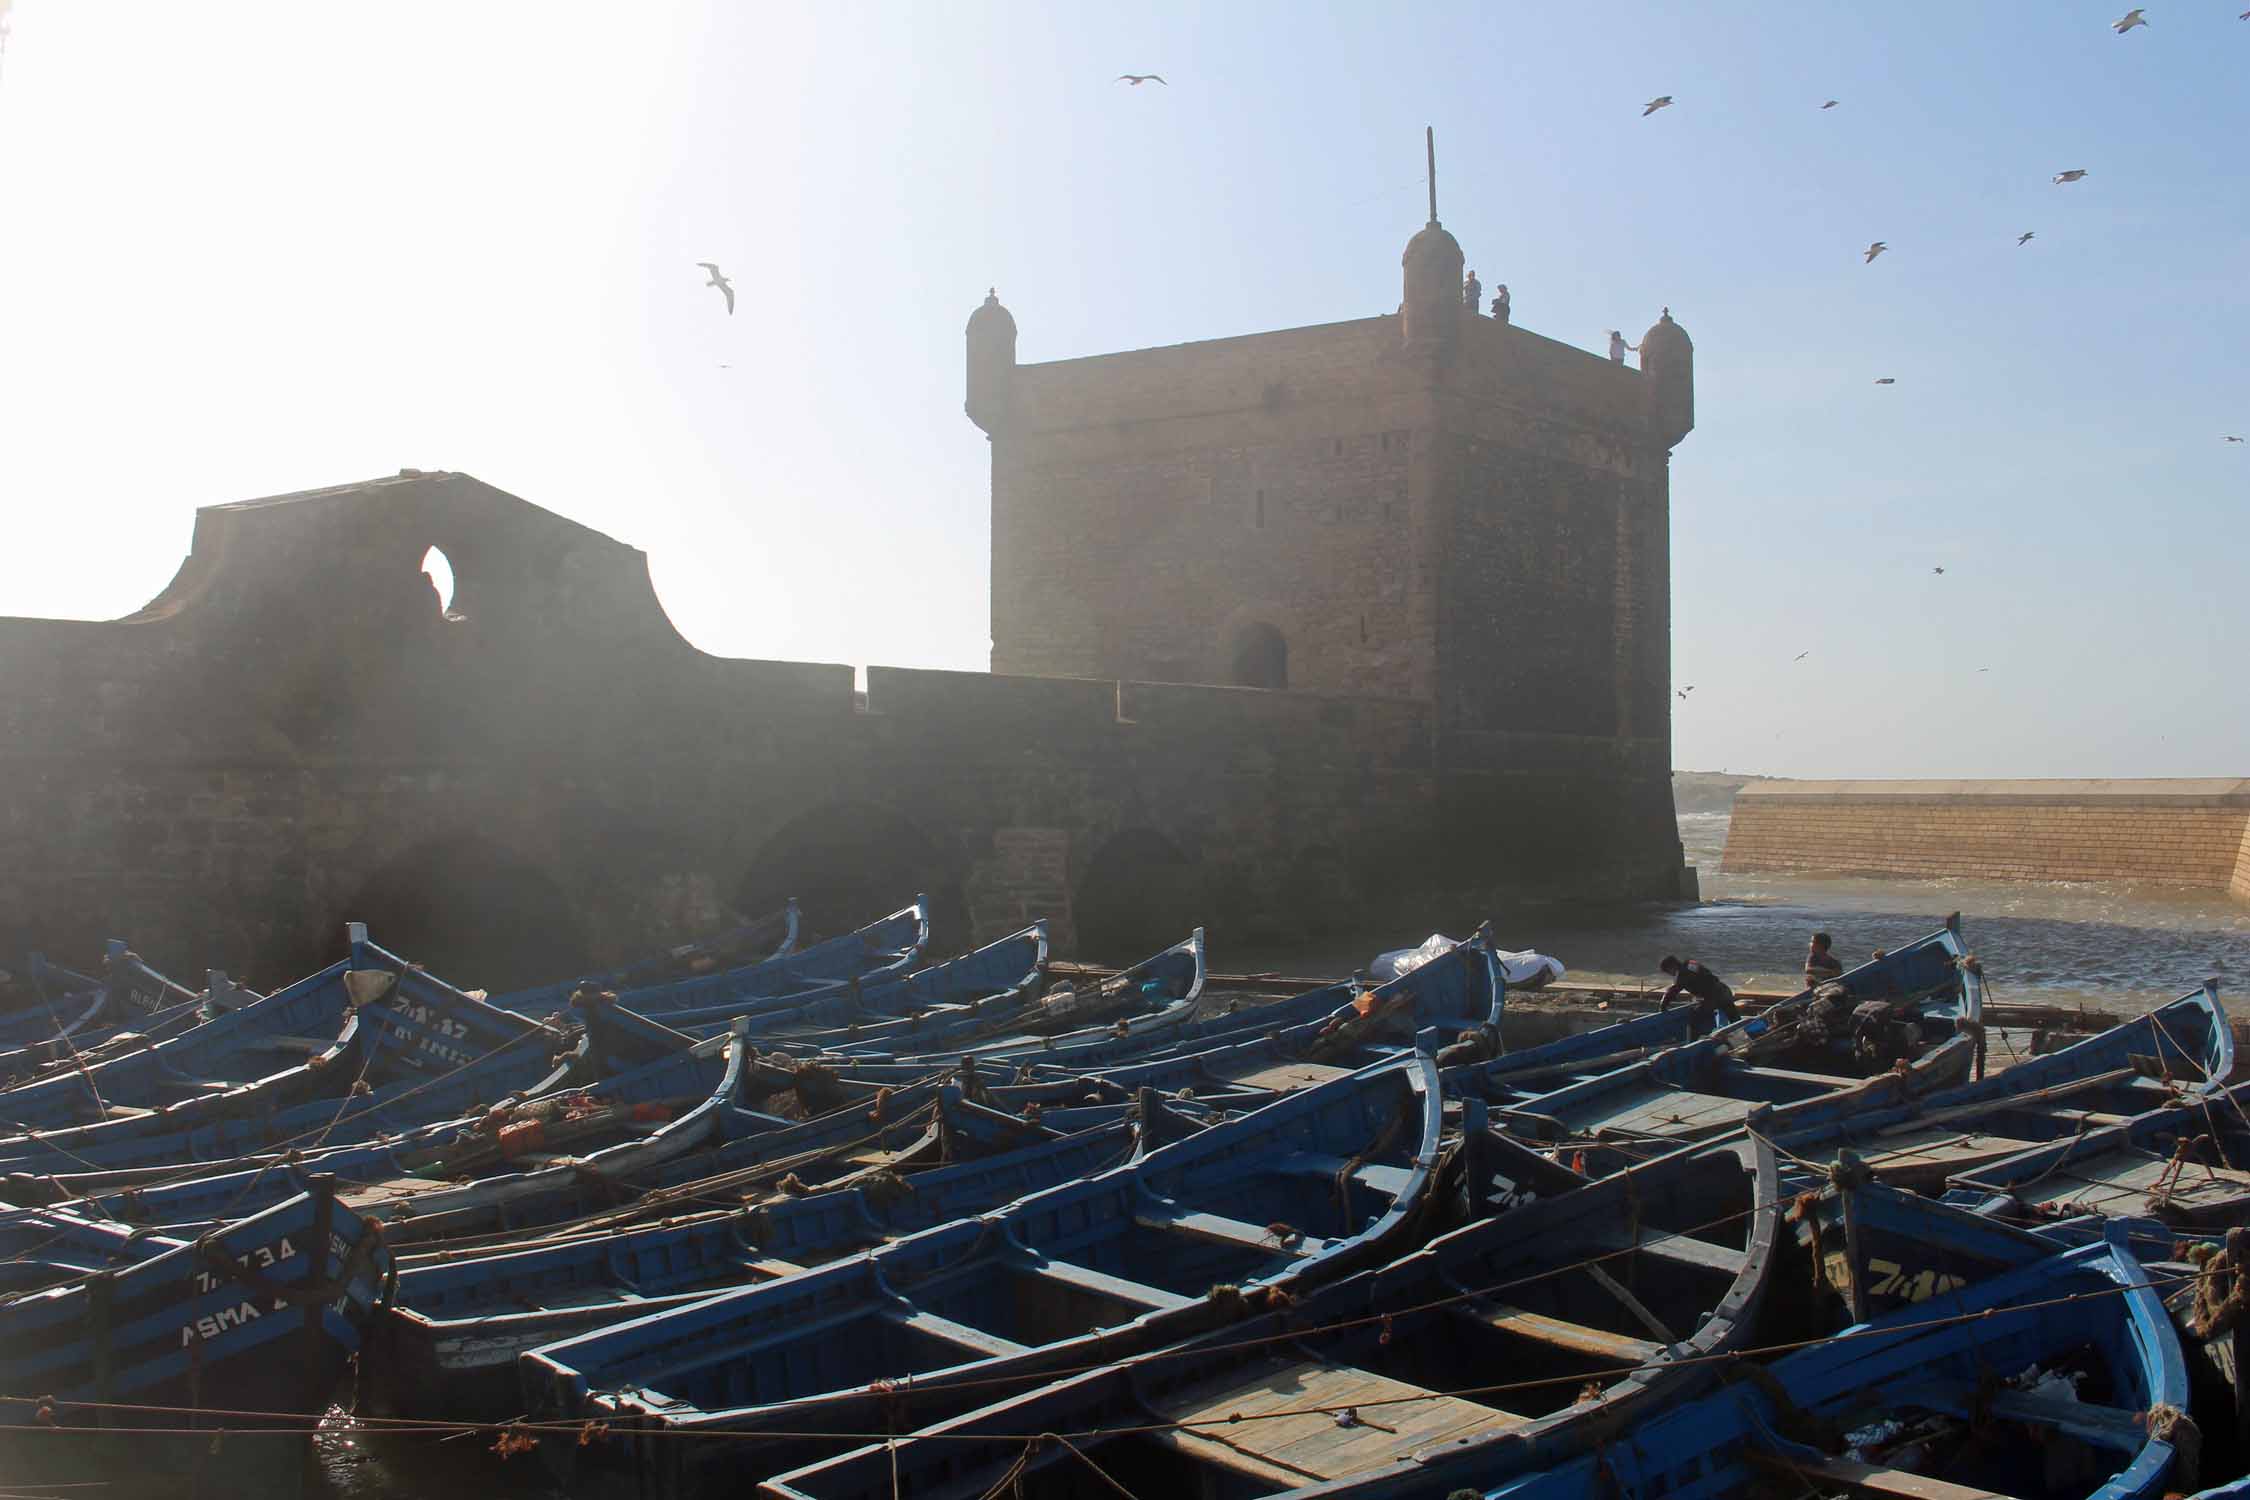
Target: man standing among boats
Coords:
[(1710, 995), (1821, 962)]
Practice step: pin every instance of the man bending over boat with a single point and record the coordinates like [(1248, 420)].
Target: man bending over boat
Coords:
[(1711, 996)]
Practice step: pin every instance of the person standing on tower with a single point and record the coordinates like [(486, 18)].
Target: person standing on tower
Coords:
[(1472, 292), (1500, 303), (1618, 346)]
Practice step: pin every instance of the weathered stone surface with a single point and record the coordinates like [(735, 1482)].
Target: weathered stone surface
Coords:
[(2185, 832)]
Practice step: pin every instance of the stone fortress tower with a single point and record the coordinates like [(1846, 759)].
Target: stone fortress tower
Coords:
[(1434, 504)]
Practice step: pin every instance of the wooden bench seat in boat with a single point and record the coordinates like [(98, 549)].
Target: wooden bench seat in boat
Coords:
[(1681, 1250), (1311, 1445), (2128, 1180), (1578, 1338), (1391, 1180), (1844, 1476), (1231, 1232)]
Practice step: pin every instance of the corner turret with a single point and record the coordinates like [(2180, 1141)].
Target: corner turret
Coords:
[(1668, 360), (992, 363), (1431, 313)]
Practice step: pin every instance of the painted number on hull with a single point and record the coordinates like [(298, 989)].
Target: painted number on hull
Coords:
[(445, 1026), (1893, 1280), (262, 1258)]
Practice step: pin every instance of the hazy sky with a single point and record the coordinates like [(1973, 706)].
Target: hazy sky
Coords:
[(248, 248)]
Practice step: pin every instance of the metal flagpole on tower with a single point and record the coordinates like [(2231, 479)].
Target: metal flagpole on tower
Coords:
[(1429, 151)]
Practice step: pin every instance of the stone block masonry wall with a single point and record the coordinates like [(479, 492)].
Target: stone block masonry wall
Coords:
[(2193, 833)]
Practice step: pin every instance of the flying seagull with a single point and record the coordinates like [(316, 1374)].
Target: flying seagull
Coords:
[(1886, 380), (1687, 690), (2128, 21), (1661, 101), (1831, 104), (1137, 79), (2230, 436), (1800, 656), (2070, 176), (719, 280), (2023, 239), (1872, 251), (1937, 570)]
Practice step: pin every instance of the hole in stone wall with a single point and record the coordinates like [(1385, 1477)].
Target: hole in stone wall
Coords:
[(438, 568), (1363, 630), (1140, 893), (1261, 657)]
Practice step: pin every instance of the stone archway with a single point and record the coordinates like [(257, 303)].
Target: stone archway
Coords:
[(1140, 893), (476, 915), (848, 863)]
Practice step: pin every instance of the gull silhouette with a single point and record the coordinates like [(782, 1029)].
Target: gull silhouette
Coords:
[(2023, 239), (1661, 101), (1869, 254), (1886, 380), (1137, 79), (2128, 21), (1687, 690), (719, 280), (1937, 570), (1800, 656), (1831, 104), (2070, 176)]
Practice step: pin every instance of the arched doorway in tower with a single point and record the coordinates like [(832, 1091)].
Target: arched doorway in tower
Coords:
[(1260, 657)]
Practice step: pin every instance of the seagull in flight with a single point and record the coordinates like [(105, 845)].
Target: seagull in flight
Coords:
[(719, 280), (1661, 101), (1831, 104), (2232, 438), (2023, 239), (1937, 570), (2070, 176), (1686, 690), (1137, 79), (2128, 21), (1868, 256), (1886, 380), (1800, 656)]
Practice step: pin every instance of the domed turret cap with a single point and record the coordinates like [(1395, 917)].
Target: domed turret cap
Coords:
[(1664, 339), (991, 319)]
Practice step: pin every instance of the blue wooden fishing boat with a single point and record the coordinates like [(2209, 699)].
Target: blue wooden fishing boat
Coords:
[(883, 951), (748, 946), (65, 1003), (370, 1130), (2187, 1164), (1598, 1308), (994, 983), (1154, 997), (262, 1316), (458, 1319), (1896, 1007), (2062, 1378), (371, 1037), (1200, 1233), (2180, 1052)]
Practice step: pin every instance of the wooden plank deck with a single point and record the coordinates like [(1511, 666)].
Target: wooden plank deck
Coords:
[(1312, 1445), (2121, 1182), (1283, 1077), (1938, 1151), (1655, 1110)]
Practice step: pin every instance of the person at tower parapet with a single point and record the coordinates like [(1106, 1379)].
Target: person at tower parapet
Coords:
[(1472, 292), (1618, 346), (1712, 997), (1500, 302)]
